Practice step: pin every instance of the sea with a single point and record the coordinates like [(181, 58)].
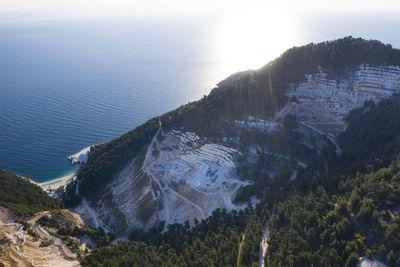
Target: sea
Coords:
[(66, 84)]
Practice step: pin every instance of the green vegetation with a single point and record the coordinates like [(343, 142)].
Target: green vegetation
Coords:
[(337, 209), (256, 93), (23, 197), (105, 161), (65, 231), (261, 93), (326, 219), (325, 228), (348, 212), (373, 133), (28, 228), (212, 242)]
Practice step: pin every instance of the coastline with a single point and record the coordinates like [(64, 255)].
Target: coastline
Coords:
[(53, 185), (50, 187)]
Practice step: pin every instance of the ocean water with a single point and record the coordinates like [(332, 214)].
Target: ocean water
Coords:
[(67, 85)]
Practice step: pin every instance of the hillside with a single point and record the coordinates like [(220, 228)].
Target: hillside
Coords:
[(23, 241), (35, 231), (307, 127), (328, 219), (26, 243), (22, 196), (260, 94)]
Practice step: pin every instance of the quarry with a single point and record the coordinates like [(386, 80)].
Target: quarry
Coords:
[(322, 102), (18, 248), (181, 176)]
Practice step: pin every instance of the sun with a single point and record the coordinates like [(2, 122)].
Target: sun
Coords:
[(250, 38)]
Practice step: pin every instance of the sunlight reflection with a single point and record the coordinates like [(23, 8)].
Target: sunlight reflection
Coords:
[(250, 38)]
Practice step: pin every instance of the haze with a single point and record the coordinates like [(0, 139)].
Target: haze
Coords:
[(242, 34)]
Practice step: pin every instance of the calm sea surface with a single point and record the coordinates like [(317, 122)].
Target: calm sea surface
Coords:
[(65, 86), (68, 84)]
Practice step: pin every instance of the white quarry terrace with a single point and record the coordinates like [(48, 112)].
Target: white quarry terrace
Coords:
[(263, 125), (182, 178), (321, 102)]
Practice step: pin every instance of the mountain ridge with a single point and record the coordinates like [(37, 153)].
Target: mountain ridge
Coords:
[(280, 96), (241, 93), (294, 164), (289, 123)]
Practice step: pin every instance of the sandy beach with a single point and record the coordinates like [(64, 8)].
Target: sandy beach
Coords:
[(53, 185)]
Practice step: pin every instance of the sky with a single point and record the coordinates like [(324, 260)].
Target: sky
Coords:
[(245, 34), (149, 7)]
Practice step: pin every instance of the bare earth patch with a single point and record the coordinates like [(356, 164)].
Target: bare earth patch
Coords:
[(18, 248)]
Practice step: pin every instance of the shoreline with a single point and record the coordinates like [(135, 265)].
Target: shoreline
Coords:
[(53, 185), (57, 183)]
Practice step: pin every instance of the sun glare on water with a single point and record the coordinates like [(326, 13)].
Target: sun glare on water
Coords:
[(250, 38)]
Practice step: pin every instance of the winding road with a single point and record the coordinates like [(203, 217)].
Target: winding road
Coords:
[(264, 243)]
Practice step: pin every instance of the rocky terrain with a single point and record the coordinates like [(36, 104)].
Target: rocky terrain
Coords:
[(182, 176), (323, 186), (321, 101), (18, 248)]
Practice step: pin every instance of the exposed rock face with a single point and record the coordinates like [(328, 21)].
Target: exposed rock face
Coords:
[(181, 177), (322, 102), (191, 177), (17, 248)]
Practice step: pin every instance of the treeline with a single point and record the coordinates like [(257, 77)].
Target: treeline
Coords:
[(322, 229), (107, 159), (373, 134), (284, 161), (314, 222), (333, 56), (22, 196), (347, 212), (327, 218), (259, 93), (223, 239), (68, 232)]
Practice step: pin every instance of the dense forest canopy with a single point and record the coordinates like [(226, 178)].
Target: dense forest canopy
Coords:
[(261, 93), (338, 209), (22, 196), (328, 219), (368, 127), (257, 93), (107, 159)]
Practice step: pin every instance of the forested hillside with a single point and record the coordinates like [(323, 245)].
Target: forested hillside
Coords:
[(331, 219), (23, 197), (338, 208), (224, 239), (261, 93), (258, 93), (107, 159)]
